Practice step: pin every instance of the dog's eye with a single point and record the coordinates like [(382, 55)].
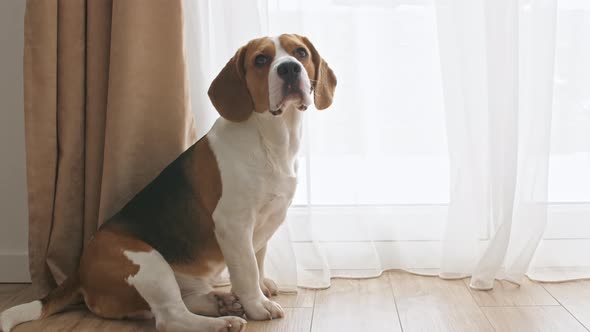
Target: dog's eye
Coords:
[(301, 52), (261, 60)]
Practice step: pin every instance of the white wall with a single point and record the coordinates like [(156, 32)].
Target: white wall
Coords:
[(13, 193)]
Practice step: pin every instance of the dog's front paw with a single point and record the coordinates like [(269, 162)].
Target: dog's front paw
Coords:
[(233, 324), (263, 309), (268, 287)]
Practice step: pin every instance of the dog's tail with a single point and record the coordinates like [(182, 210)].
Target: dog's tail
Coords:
[(67, 293)]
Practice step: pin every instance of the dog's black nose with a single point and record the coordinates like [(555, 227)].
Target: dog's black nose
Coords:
[(289, 71)]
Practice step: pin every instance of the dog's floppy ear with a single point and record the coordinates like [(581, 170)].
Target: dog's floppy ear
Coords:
[(228, 91), (324, 82)]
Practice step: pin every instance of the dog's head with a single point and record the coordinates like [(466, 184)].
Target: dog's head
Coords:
[(270, 75)]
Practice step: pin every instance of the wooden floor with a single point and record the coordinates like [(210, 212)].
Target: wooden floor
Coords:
[(397, 301)]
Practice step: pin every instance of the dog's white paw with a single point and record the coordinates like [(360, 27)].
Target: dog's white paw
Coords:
[(269, 288), (233, 324), (263, 309)]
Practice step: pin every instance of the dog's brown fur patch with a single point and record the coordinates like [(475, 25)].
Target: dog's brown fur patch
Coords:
[(104, 270)]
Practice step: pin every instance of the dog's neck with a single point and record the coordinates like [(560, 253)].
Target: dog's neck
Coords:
[(281, 138)]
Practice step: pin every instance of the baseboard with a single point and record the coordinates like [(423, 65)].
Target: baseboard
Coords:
[(14, 267)]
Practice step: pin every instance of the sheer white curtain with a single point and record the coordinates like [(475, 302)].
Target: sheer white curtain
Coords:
[(457, 144)]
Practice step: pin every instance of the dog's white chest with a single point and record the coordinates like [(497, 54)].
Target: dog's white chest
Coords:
[(273, 211), (257, 163)]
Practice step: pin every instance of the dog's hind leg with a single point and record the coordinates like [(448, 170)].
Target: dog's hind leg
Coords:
[(156, 283)]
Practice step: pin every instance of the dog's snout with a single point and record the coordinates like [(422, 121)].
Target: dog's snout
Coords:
[(289, 70)]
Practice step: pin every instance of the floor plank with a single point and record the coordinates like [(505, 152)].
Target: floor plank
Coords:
[(18, 294), (353, 305), (508, 294), (567, 292), (10, 289), (581, 311), (433, 304), (304, 298), (533, 319), (423, 303), (295, 320), (83, 320), (7, 291), (575, 297)]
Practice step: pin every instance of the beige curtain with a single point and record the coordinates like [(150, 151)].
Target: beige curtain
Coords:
[(106, 110)]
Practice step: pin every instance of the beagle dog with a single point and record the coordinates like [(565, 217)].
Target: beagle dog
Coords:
[(215, 206)]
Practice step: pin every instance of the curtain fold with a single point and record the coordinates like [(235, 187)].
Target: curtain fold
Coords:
[(502, 167), (502, 69), (106, 109)]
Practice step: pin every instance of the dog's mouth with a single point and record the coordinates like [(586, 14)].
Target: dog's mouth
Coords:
[(292, 94)]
